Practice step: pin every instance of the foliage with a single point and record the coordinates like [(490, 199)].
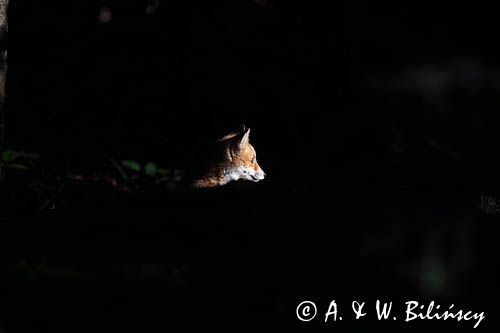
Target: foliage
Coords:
[(151, 169), (15, 159), (132, 165)]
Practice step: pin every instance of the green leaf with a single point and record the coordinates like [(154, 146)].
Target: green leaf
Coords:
[(17, 166), (132, 165), (9, 155), (163, 172), (150, 169)]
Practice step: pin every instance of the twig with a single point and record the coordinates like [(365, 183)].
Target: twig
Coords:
[(52, 198), (118, 167), (3, 72)]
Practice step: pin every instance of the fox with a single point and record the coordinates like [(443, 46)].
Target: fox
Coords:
[(230, 158)]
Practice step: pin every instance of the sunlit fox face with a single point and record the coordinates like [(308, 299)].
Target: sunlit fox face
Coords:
[(242, 159)]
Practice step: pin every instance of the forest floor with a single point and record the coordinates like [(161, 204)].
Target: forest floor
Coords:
[(129, 249)]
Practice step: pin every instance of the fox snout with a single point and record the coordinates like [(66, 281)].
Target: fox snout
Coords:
[(259, 174), (247, 173)]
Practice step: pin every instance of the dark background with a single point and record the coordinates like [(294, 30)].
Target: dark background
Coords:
[(375, 123)]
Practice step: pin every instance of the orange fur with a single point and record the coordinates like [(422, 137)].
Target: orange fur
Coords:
[(230, 158)]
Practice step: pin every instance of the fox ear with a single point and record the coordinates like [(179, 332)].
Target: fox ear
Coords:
[(244, 139), (239, 141)]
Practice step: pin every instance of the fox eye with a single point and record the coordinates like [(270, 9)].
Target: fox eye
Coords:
[(253, 160)]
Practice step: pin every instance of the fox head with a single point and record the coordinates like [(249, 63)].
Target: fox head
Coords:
[(240, 158), (230, 158)]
